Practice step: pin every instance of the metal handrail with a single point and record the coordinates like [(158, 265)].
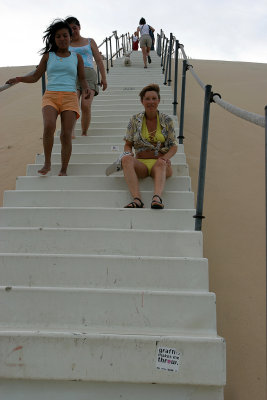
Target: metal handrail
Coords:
[(209, 97)]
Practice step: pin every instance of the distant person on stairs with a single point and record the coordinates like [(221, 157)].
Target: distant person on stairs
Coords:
[(145, 40), (151, 134), (88, 49), (135, 41), (62, 68)]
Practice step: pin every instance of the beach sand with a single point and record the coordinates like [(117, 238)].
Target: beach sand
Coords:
[(234, 203)]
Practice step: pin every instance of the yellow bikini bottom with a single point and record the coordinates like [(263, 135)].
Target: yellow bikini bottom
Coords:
[(149, 163)]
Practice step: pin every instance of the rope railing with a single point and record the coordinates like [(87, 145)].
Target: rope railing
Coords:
[(239, 112), (165, 51)]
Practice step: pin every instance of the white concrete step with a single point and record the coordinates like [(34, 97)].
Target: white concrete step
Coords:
[(126, 95), (101, 241), (89, 148), (92, 198), (78, 390), (109, 157), (122, 116), (83, 309), (93, 169), (89, 271), (91, 357), (132, 102), (132, 90), (70, 217), (112, 182)]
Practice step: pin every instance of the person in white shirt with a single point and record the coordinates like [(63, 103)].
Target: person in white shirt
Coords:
[(145, 40)]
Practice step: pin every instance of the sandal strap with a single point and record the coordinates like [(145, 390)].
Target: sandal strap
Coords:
[(140, 201), (156, 195)]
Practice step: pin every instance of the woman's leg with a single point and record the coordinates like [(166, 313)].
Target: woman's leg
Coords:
[(133, 169), (49, 120), (86, 112), (68, 119), (159, 172), (144, 55)]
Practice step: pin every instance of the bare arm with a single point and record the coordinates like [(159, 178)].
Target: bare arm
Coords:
[(99, 62), (81, 76), (128, 146), (169, 154), (153, 30), (35, 76)]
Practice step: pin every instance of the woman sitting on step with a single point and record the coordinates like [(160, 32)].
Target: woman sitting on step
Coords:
[(151, 134)]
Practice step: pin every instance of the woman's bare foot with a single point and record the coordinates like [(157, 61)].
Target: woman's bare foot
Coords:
[(46, 168), (84, 134), (62, 172)]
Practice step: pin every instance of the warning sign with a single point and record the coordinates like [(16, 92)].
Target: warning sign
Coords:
[(168, 359)]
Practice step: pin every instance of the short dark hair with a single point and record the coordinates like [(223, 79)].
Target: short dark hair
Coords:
[(73, 20), (50, 33), (153, 87), (142, 21)]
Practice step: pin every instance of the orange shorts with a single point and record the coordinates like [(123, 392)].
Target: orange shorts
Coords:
[(61, 101)]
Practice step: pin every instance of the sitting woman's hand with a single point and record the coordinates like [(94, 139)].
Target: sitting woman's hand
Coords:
[(167, 161)]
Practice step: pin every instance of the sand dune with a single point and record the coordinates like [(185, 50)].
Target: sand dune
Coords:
[(234, 228)]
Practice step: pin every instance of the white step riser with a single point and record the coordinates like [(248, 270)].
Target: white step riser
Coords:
[(110, 272), (94, 169), (99, 157), (18, 389), (128, 107), (111, 182), (92, 198), (100, 309), (132, 102), (106, 358), (126, 95), (101, 241), (96, 218), (116, 147), (99, 140), (115, 117)]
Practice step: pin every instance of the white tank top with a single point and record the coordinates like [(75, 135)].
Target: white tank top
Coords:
[(144, 29)]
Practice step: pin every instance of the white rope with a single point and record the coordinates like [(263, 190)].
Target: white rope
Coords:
[(239, 112)]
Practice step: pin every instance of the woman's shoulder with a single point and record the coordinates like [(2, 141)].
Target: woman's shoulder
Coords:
[(165, 117), (138, 116)]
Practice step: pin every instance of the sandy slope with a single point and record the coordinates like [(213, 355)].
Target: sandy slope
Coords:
[(234, 228)]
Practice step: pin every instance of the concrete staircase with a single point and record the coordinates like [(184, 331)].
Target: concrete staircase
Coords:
[(98, 301)]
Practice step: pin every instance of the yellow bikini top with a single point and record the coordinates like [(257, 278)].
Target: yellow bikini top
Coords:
[(158, 137)]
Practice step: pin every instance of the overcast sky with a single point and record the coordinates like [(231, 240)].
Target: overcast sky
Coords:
[(232, 30)]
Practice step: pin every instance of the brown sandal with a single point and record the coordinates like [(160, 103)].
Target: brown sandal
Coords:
[(134, 204), (157, 204)]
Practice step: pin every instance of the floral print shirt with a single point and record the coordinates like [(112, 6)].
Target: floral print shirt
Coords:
[(134, 130)]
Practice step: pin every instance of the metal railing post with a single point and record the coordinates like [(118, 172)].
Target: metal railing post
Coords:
[(110, 48), (181, 127), (175, 78), (170, 60), (266, 186), (203, 159), (98, 76), (167, 68), (165, 56), (107, 69), (162, 54), (43, 84)]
